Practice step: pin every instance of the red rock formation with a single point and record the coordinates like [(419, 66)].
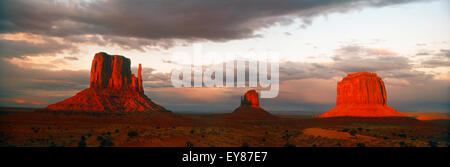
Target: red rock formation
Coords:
[(141, 89), (250, 108), (361, 94), (251, 98), (112, 88)]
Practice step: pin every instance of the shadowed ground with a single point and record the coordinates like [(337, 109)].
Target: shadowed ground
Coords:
[(167, 129)]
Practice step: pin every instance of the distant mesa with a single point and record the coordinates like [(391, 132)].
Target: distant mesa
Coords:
[(250, 109), (112, 88), (361, 94)]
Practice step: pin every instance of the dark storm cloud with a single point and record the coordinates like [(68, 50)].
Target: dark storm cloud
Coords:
[(146, 21)]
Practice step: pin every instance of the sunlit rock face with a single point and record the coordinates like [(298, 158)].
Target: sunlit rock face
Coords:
[(112, 88), (113, 72), (361, 94), (250, 109), (251, 98)]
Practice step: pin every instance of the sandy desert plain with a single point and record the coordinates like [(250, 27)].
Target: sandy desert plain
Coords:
[(27, 127)]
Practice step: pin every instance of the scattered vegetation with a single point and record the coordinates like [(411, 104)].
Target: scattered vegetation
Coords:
[(133, 134), (106, 142), (352, 132), (189, 144), (82, 143)]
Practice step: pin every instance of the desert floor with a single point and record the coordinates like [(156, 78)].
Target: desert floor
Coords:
[(183, 130)]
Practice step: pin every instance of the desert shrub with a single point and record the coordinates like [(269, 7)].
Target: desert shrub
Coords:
[(108, 133), (82, 143), (402, 135), (245, 144), (360, 129), (386, 138), (352, 132), (133, 134), (432, 143), (117, 131), (83, 138), (286, 136), (289, 145), (192, 131), (345, 130), (361, 145), (107, 142), (158, 127), (203, 136), (403, 144), (263, 139), (99, 138), (189, 144), (89, 134)]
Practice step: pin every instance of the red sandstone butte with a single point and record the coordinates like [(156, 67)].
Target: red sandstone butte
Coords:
[(361, 94), (112, 88), (250, 109)]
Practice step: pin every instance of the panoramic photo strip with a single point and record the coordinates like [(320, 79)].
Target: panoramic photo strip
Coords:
[(232, 82)]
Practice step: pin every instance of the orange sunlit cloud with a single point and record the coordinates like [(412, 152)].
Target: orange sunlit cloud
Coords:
[(21, 101), (28, 37)]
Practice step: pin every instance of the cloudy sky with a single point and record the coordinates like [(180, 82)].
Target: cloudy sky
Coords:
[(46, 48)]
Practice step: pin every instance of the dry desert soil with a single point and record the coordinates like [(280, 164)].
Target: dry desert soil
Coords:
[(75, 129)]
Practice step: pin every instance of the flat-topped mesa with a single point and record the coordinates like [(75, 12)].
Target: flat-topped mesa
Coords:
[(113, 88), (113, 72), (251, 98), (250, 109), (361, 94), (361, 88)]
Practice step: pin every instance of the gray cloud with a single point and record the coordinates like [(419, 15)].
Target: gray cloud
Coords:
[(43, 86), (441, 59), (20, 48), (147, 21)]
